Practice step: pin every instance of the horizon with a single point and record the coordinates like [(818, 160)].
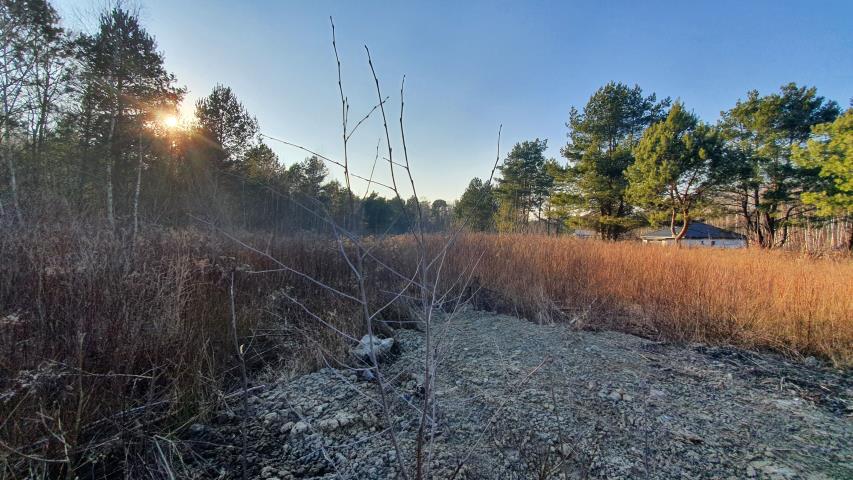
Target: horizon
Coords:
[(484, 66)]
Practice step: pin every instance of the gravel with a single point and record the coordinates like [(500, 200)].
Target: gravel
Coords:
[(517, 400)]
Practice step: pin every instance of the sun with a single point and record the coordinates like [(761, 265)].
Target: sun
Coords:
[(170, 121)]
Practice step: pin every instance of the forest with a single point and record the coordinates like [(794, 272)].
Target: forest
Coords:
[(775, 161), (90, 127)]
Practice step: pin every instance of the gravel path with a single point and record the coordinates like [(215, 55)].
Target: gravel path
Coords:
[(520, 400)]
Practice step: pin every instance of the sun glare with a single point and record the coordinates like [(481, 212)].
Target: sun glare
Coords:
[(170, 121)]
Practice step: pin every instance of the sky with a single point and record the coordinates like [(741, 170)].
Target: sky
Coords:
[(472, 66)]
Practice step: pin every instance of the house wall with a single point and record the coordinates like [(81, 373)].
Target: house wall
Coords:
[(709, 243)]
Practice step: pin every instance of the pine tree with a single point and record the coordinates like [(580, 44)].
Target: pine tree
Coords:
[(127, 88), (830, 152), (523, 186), (762, 132), (679, 163), (601, 141), (224, 121), (476, 207)]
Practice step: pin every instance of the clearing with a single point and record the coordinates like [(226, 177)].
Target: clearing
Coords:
[(520, 400)]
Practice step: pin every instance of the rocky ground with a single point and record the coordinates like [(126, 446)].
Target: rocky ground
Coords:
[(520, 400)]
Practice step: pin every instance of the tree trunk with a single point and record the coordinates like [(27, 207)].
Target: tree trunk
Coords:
[(753, 218), (110, 212), (13, 182), (771, 230), (138, 189), (38, 144), (85, 152), (850, 235), (672, 223), (118, 111), (685, 217)]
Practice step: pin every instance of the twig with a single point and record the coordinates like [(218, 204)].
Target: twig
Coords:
[(243, 379)]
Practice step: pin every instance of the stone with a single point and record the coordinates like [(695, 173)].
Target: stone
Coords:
[(299, 428), (680, 423), (657, 393), (271, 417), (327, 425), (372, 344)]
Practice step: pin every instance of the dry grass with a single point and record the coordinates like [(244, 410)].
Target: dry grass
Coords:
[(750, 298), (105, 346)]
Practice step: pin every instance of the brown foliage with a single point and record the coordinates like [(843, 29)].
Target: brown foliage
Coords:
[(104, 344), (750, 298)]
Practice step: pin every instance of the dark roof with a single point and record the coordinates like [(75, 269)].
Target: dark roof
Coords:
[(696, 230)]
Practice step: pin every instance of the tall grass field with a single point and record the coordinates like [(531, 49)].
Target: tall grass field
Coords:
[(750, 298), (106, 343)]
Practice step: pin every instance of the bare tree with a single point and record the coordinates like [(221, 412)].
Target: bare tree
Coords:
[(17, 34), (53, 66), (423, 284)]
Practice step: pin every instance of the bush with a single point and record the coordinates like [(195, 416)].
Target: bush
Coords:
[(104, 344)]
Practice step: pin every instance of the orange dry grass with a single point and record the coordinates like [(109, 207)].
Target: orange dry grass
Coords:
[(749, 298)]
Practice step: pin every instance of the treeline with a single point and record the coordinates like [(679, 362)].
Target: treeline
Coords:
[(90, 125), (777, 161)]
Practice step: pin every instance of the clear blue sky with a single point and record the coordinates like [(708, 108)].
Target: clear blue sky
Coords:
[(471, 66)]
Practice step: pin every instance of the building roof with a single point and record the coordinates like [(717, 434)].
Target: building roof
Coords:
[(695, 230)]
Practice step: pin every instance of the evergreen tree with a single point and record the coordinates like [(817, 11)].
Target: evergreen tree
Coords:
[(260, 163), (306, 186), (308, 176), (762, 132), (601, 141), (524, 185), (477, 206), (378, 214), (439, 215), (830, 152), (127, 88), (679, 163), (226, 132), (226, 123)]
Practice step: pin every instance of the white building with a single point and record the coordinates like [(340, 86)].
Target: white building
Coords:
[(583, 233), (698, 235)]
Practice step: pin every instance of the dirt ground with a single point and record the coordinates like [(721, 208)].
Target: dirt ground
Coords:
[(520, 400)]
